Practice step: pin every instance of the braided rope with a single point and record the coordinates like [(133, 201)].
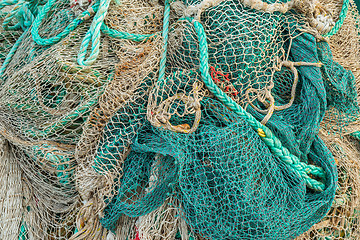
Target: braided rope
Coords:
[(11, 15), (339, 23), (25, 20), (93, 35), (10, 55), (22, 13), (274, 144), (5, 3), (72, 26), (165, 36), (124, 35)]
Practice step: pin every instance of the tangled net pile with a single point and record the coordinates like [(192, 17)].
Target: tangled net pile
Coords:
[(187, 119)]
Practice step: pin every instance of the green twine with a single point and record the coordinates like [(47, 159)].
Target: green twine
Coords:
[(93, 35), (302, 169), (22, 13), (124, 35), (25, 17), (165, 35), (5, 3), (339, 23)]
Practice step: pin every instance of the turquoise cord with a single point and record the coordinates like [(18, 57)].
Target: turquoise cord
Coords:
[(165, 36), (93, 35), (71, 27), (339, 23), (11, 54)]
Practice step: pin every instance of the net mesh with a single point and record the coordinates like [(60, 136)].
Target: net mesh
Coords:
[(343, 219), (111, 128)]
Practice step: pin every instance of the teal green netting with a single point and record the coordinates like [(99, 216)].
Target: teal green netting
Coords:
[(229, 184), (340, 85), (122, 128)]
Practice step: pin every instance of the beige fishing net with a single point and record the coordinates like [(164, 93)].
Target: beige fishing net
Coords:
[(11, 194)]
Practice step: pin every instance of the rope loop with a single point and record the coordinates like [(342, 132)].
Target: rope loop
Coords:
[(72, 26), (265, 94), (93, 35)]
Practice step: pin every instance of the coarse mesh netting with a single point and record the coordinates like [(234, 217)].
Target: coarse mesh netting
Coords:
[(188, 119)]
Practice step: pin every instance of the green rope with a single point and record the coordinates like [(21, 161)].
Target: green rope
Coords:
[(274, 144), (124, 35), (93, 35), (22, 13), (10, 16), (339, 23), (11, 53), (5, 3), (165, 35), (72, 26)]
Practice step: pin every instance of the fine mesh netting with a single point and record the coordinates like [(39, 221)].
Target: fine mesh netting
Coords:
[(343, 219), (188, 119)]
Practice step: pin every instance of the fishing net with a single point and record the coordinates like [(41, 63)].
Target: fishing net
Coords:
[(343, 219), (11, 194), (46, 97), (342, 222), (203, 179), (146, 119)]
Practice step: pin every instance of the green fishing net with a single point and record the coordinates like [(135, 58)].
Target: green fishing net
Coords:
[(222, 173)]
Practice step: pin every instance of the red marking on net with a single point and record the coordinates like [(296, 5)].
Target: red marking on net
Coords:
[(137, 234), (215, 76), (74, 4)]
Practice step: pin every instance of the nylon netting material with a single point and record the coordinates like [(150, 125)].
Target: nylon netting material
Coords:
[(342, 221), (118, 150)]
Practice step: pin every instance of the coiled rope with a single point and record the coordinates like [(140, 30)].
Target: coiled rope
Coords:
[(100, 9), (23, 14)]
